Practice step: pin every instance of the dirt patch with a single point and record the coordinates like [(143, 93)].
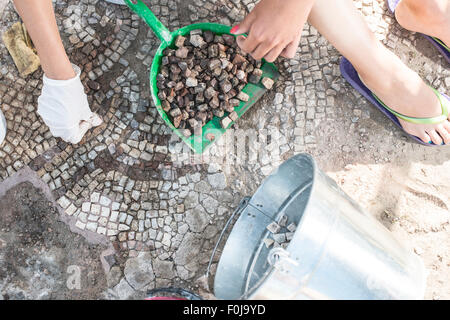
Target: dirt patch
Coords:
[(411, 200), (39, 257)]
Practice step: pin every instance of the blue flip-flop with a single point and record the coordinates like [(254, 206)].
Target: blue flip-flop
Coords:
[(351, 75), (443, 49)]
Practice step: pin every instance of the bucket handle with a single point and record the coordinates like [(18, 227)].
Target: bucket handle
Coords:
[(242, 205), (153, 294), (153, 22)]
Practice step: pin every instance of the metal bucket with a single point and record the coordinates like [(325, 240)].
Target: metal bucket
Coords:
[(338, 250), (2, 127)]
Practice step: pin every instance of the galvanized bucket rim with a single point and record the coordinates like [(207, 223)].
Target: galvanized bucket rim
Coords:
[(305, 158)]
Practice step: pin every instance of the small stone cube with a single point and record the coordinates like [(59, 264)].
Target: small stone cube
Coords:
[(233, 116), (196, 31), (209, 36), (63, 202), (197, 41), (191, 82), (86, 207), (225, 122), (213, 51), (273, 227), (186, 132), (177, 121), (210, 92), (234, 102), (203, 107), (255, 77), (279, 237), (243, 96), (95, 209), (289, 235), (179, 41), (283, 221), (175, 112), (71, 209), (226, 86), (218, 113), (193, 122), (267, 83), (268, 242), (214, 64), (182, 53), (240, 74), (292, 227)]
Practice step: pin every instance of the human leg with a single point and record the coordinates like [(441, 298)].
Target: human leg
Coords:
[(381, 70), (430, 17), (40, 21)]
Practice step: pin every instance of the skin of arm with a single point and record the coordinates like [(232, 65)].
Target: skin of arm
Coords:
[(39, 18)]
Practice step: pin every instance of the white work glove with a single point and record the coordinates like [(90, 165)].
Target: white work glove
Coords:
[(64, 107)]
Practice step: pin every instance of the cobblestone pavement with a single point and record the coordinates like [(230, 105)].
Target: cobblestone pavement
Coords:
[(132, 183)]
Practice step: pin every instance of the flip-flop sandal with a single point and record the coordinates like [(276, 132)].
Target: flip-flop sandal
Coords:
[(351, 75), (443, 49)]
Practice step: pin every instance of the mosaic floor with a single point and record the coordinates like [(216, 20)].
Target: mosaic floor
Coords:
[(136, 185)]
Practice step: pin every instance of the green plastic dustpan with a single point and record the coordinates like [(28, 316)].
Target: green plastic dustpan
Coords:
[(198, 143)]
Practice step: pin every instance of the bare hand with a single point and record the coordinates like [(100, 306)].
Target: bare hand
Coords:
[(274, 28)]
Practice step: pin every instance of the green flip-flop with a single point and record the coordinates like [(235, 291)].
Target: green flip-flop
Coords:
[(433, 120), (351, 75)]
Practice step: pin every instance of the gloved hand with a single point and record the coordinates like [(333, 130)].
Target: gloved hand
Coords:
[(64, 108)]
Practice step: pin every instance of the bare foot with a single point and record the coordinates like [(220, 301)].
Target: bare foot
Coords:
[(402, 90), (430, 17)]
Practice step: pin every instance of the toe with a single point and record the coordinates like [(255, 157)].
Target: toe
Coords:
[(435, 137), (424, 137), (446, 125), (444, 133)]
